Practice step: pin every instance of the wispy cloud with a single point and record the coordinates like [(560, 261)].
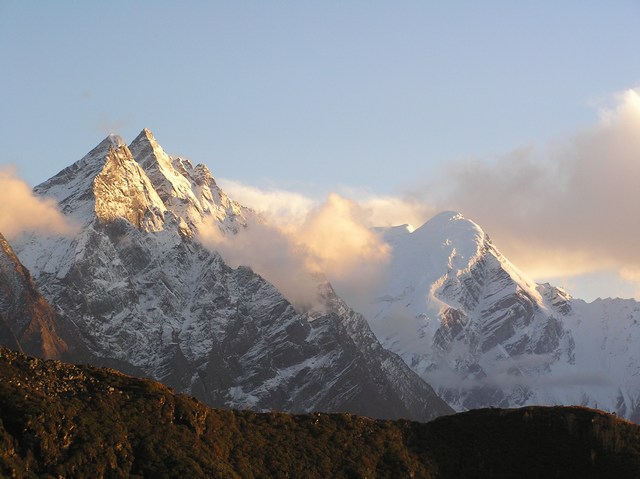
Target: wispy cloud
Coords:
[(279, 205), (271, 253), (21, 211), (523, 370), (332, 238), (563, 209), (107, 125), (286, 207), (568, 209)]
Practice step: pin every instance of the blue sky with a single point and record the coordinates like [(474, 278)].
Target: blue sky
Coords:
[(311, 92), (376, 97)]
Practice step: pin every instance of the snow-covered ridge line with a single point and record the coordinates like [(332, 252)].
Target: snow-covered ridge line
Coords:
[(484, 334), (143, 296), (146, 184)]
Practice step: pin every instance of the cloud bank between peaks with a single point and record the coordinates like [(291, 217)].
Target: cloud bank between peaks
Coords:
[(331, 240), (563, 209)]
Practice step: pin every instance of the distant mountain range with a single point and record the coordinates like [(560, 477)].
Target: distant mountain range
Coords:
[(60, 420), (134, 289)]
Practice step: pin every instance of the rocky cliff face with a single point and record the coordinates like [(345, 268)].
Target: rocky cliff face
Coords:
[(144, 295), (27, 321), (483, 334)]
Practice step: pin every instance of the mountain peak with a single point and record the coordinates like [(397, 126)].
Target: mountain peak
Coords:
[(111, 141), (122, 190), (147, 137), (444, 219), (146, 149), (451, 226), (71, 187), (450, 215), (141, 183), (158, 166), (115, 140), (148, 133)]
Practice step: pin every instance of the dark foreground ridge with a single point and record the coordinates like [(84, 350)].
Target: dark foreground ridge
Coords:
[(60, 420)]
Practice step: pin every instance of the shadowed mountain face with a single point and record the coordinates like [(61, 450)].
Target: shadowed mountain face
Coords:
[(68, 421), (27, 321), (143, 295)]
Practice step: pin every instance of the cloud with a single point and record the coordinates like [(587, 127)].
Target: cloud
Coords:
[(21, 211), (332, 239), (278, 205), (338, 237), (107, 126), (564, 209), (271, 253), (521, 371), (287, 207), (567, 209), (340, 244), (389, 210), (504, 380)]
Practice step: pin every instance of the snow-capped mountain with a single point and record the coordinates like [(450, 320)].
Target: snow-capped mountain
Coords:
[(483, 334), (142, 294)]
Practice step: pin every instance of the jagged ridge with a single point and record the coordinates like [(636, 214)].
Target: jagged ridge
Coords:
[(483, 334), (139, 289)]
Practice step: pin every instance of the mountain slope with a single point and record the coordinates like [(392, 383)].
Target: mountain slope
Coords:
[(483, 334), (69, 421), (145, 296), (27, 321)]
